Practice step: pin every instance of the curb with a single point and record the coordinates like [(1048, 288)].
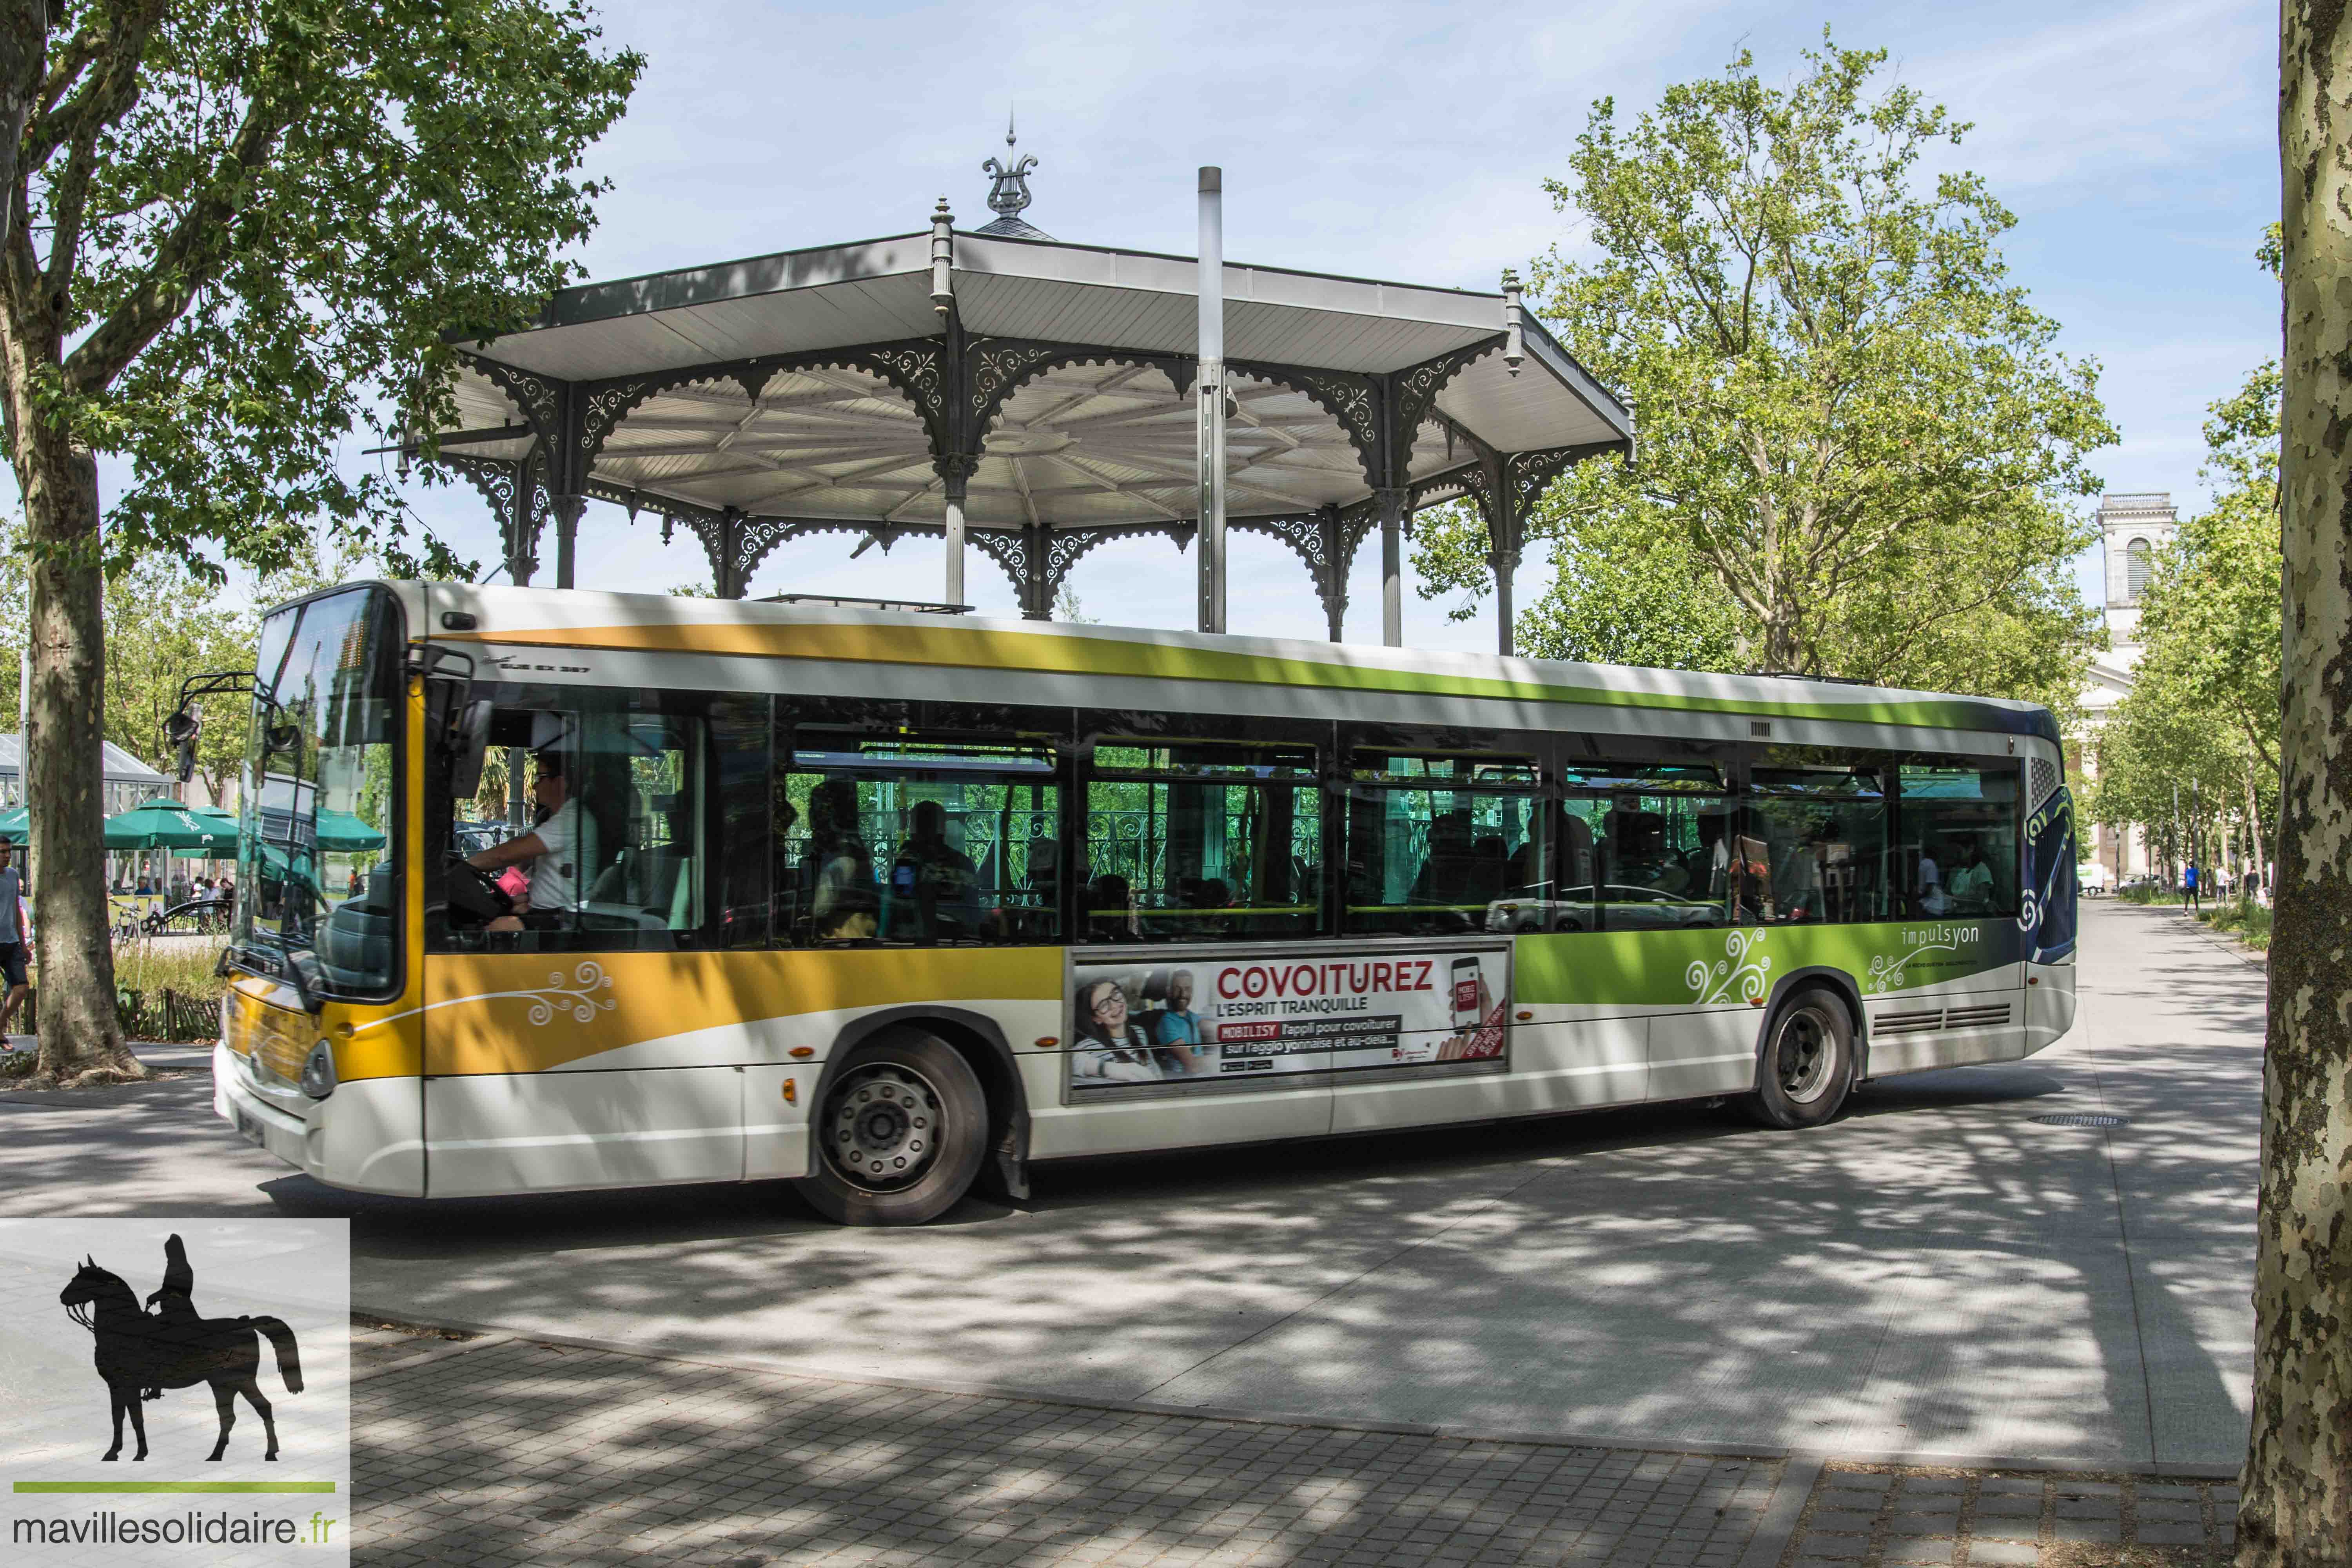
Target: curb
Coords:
[(1778, 1526), (1810, 1460), (442, 1352)]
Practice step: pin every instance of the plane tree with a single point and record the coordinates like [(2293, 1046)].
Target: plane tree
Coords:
[(231, 237)]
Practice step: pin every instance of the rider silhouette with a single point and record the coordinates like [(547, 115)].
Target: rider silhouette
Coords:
[(174, 1301)]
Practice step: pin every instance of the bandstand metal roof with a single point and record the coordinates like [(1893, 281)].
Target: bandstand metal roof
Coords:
[(1045, 386)]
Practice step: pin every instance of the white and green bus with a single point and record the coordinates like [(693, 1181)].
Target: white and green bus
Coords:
[(889, 903)]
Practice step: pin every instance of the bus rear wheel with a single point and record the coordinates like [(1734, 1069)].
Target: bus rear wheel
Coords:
[(899, 1136), (1808, 1062)]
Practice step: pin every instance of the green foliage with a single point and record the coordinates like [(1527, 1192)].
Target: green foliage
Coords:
[(262, 220), (165, 622), (1625, 590), (1855, 430), (2210, 615), (2204, 704), (162, 626)]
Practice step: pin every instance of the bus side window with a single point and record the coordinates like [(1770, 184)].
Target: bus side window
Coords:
[(1445, 844), (894, 838), (1819, 817), (662, 829), (1956, 841), (1194, 840), (1663, 852)]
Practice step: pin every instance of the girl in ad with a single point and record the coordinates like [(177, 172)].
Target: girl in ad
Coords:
[(1108, 1046)]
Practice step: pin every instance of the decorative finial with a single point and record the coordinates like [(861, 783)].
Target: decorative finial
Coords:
[(942, 258), (1514, 350), (1010, 193)]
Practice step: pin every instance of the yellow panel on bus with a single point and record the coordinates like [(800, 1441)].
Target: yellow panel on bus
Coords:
[(501, 1012)]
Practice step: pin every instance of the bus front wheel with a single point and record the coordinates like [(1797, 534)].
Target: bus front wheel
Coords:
[(900, 1135), (1808, 1062)]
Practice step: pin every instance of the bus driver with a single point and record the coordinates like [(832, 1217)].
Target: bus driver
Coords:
[(552, 847)]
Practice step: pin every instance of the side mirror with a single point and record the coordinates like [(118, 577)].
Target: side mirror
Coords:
[(469, 744), (182, 730)]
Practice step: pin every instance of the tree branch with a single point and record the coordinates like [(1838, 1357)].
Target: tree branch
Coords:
[(108, 92), (185, 259)]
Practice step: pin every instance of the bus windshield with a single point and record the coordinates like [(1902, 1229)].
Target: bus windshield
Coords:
[(317, 851)]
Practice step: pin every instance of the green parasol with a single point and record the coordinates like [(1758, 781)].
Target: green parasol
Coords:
[(341, 833), (169, 824), (17, 823)]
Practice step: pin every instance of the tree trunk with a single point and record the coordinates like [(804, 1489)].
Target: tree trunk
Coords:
[(81, 1037), (2255, 828), (2297, 1480)]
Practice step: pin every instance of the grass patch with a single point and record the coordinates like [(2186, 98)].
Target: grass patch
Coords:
[(174, 963), (2250, 921), (165, 989)]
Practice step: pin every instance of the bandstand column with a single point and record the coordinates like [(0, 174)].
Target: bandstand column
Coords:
[(1391, 504), (522, 528), (1503, 605), (1037, 585), (1503, 527), (720, 541), (1332, 585), (567, 537), (955, 472)]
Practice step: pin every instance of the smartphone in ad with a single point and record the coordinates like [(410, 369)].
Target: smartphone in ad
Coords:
[(1465, 993)]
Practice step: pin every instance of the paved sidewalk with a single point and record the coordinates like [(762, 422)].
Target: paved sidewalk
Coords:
[(520, 1451), (1938, 1273)]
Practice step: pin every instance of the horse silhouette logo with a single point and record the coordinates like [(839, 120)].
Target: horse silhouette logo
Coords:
[(141, 1354)]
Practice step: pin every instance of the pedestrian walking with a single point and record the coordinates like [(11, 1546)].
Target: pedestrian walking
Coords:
[(15, 936), (2189, 888)]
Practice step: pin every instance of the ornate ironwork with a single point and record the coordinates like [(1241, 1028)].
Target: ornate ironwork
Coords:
[(1417, 387), (955, 471), (916, 367), (1012, 551), (996, 368), (1478, 485), (1530, 474), (1038, 557), (920, 371), (493, 479), (1434, 488), (1303, 534), (539, 398), (1326, 541), (605, 405), (1346, 396), (737, 544)]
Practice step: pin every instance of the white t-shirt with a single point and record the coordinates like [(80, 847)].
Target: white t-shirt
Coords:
[(1932, 897), (555, 874)]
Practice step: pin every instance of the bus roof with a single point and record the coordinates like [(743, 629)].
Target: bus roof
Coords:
[(658, 623)]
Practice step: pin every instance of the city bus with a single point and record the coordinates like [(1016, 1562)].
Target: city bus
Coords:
[(890, 904)]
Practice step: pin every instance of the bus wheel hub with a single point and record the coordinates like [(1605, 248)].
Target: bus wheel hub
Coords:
[(883, 1126)]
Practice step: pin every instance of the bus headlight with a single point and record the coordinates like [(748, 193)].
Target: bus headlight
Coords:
[(318, 1079)]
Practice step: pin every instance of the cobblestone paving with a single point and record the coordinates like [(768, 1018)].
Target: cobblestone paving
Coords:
[(522, 1452), (1866, 1518)]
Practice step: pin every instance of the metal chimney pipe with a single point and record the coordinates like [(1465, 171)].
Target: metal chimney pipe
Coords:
[(1212, 394)]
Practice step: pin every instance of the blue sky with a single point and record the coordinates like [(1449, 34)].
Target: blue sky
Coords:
[(2134, 141)]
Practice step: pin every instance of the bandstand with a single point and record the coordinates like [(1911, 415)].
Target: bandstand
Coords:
[(1024, 397)]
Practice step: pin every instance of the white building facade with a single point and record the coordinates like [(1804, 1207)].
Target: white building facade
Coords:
[(2132, 530)]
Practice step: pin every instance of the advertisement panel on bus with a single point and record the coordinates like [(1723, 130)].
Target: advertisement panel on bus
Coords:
[(1266, 1016)]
